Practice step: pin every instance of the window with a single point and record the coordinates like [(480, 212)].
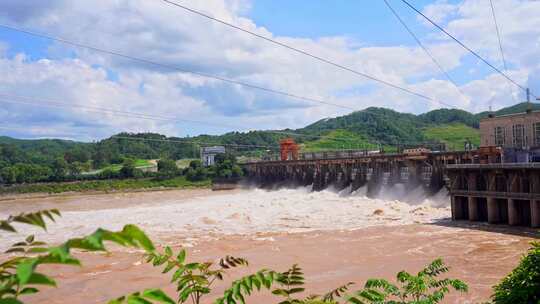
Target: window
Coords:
[(536, 128), (518, 135), (499, 136)]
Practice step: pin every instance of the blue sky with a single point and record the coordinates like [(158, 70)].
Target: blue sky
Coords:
[(366, 21), (363, 35)]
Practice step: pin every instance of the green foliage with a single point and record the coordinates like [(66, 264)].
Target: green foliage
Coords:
[(193, 280), (194, 164), (59, 169), (19, 275), (105, 185), (128, 169), (226, 167), (453, 135), (145, 297), (522, 285), (167, 169), (196, 175), (347, 140), (361, 129), (167, 166), (24, 173), (245, 286), (292, 282), (517, 108), (422, 288), (451, 116)]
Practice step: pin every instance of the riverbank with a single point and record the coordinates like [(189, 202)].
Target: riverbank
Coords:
[(101, 186)]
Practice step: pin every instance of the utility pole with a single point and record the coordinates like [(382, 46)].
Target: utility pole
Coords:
[(529, 106)]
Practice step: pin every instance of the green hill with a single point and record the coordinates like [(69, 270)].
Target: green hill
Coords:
[(453, 135), (367, 129), (517, 108)]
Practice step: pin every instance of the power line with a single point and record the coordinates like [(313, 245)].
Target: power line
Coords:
[(306, 53), (465, 46), (426, 50), (500, 45), (162, 118), (182, 141), (45, 103), (48, 103), (193, 142), (176, 68), (15, 99)]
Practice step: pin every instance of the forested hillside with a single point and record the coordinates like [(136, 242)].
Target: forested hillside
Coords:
[(368, 129)]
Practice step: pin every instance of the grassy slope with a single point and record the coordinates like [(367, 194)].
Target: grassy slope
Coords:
[(453, 135), (346, 140), (104, 185), (139, 163), (184, 162)]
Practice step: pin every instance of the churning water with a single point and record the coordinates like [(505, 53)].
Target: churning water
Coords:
[(254, 211)]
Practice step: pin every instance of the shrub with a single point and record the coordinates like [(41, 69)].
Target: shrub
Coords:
[(194, 164), (422, 288), (167, 169), (522, 285), (198, 174)]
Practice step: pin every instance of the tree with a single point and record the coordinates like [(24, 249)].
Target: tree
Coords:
[(24, 173), (108, 174), (128, 168), (194, 164), (59, 169), (8, 175), (522, 285), (77, 154), (198, 174), (75, 168), (237, 171), (167, 166), (226, 166)]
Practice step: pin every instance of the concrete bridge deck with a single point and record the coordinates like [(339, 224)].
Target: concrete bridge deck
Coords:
[(357, 168)]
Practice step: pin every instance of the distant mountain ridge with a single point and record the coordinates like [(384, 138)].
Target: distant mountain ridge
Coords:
[(372, 127)]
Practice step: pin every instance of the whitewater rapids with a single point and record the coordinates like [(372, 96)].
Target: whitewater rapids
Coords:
[(250, 212)]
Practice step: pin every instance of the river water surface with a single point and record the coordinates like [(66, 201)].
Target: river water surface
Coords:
[(336, 237)]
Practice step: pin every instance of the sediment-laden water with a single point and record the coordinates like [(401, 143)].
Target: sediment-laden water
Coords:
[(336, 236), (253, 211)]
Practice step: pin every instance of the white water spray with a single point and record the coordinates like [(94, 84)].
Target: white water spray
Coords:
[(256, 211)]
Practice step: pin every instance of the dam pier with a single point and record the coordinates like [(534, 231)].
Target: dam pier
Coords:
[(496, 193), (490, 192), (497, 182), (415, 167)]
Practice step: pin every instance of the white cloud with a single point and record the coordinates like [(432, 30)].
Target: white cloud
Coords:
[(439, 11), (158, 32)]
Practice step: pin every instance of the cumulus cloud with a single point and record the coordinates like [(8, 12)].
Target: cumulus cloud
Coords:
[(155, 31)]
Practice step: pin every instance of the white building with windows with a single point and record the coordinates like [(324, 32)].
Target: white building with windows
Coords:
[(208, 154)]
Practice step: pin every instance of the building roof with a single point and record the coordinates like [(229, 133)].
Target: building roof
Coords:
[(510, 115), (213, 149)]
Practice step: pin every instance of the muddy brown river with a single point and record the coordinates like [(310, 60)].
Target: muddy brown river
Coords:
[(336, 237)]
